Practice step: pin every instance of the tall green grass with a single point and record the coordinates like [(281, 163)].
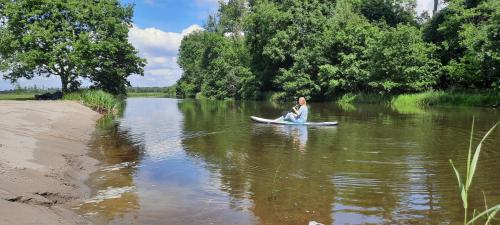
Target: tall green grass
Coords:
[(424, 99), (446, 99), (98, 100), (464, 186)]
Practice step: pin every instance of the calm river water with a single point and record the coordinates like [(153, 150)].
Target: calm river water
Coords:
[(168, 161)]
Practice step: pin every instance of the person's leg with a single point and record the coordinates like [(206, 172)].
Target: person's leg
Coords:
[(284, 113), (290, 117)]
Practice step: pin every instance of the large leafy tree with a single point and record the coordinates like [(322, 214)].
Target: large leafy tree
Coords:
[(467, 34), (345, 44), (285, 41), (215, 66), (215, 61), (72, 39)]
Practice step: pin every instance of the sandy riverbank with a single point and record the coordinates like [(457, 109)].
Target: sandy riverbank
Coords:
[(43, 159)]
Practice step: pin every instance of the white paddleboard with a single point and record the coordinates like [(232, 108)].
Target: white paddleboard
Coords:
[(283, 122)]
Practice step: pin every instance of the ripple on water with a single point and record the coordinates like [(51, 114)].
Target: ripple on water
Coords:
[(109, 193)]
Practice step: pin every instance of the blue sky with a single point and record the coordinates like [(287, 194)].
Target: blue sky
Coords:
[(159, 26), (171, 15)]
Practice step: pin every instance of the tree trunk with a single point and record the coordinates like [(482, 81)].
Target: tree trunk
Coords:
[(434, 10), (64, 83)]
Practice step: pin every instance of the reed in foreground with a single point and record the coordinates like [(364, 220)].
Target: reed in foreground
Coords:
[(464, 186), (98, 100)]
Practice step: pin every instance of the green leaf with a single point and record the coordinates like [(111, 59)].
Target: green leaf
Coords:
[(490, 217), (476, 158), (470, 146), (463, 192), (492, 210)]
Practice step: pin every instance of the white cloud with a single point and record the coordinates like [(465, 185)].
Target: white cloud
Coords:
[(191, 29), (158, 42), (160, 50), (154, 41)]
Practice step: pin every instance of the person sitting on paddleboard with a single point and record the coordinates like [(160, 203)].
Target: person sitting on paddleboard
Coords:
[(298, 115)]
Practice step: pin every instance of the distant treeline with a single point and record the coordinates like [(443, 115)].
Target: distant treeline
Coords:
[(170, 90), (321, 49), (33, 89)]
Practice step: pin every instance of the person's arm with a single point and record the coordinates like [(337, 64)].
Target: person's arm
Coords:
[(297, 112)]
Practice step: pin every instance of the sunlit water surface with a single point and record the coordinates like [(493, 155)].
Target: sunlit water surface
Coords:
[(168, 161)]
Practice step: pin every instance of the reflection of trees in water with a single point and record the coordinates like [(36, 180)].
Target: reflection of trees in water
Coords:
[(382, 167), (297, 192), (113, 197)]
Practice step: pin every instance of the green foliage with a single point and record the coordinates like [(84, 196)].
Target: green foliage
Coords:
[(390, 12), (71, 39), (415, 103), (446, 98), (17, 96), (323, 49), (215, 66), (466, 33), (345, 43), (98, 100), (288, 44), (400, 61)]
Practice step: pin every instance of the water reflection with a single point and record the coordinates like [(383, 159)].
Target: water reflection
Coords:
[(173, 161), (113, 189), (297, 134)]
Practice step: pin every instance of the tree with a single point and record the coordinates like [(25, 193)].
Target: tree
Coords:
[(466, 32), (390, 12), (284, 39), (345, 43), (400, 61), (231, 14), (71, 39), (216, 67)]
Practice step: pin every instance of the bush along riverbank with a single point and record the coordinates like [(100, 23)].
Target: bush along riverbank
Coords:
[(425, 99), (98, 100)]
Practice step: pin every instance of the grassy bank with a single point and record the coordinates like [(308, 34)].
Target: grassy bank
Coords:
[(98, 100), (448, 99), (420, 100), (17, 96)]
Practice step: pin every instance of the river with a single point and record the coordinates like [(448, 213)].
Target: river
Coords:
[(169, 161)]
